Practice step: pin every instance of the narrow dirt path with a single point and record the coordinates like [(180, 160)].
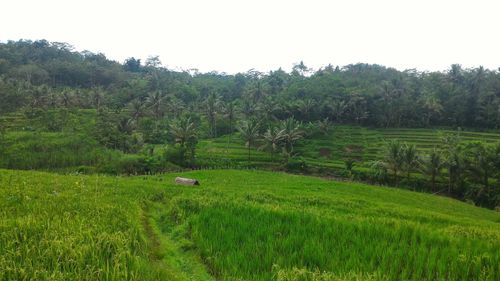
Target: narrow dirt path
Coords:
[(170, 257)]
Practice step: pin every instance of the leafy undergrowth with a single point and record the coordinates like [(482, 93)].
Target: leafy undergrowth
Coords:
[(238, 225)]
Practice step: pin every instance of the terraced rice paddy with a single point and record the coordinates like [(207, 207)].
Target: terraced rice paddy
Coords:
[(363, 144)]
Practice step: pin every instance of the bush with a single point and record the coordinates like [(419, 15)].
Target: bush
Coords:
[(175, 154), (296, 164), (138, 165)]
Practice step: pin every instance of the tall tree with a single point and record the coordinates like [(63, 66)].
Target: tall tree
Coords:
[(410, 157), (212, 105), (292, 133), (184, 131), (394, 158), (156, 103), (272, 139), (249, 131), (432, 165)]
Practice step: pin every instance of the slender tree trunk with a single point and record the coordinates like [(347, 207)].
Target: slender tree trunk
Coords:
[(230, 131), (249, 152), (486, 178), (433, 181), (450, 180), (396, 177)]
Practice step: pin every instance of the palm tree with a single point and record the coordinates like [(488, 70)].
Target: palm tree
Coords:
[(267, 108), (394, 158), (324, 126), (257, 92), (432, 107), (211, 107), (183, 130), (155, 102), (97, 97), (176, 107), (410, 157), (137, 109), (349, 164), (481, 162), (229, 111), (454, 159), (249, 131), (432, 165), (338, 109), (66, 98), (291, 134), (248, 108), (125, 125), (379, 170), (273, 137), (305, 108), (185, 134)]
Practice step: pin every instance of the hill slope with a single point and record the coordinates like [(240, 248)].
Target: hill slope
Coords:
[(244, 225)]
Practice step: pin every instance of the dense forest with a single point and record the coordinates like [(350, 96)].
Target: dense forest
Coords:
[(107, 107), (43, 74)]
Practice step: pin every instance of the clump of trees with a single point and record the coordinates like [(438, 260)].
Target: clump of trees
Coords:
[(281, 136), (467, 170)]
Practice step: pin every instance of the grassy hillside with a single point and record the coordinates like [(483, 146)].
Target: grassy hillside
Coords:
[(237, 226)]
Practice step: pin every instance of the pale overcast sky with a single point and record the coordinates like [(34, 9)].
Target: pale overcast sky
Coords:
[(237, 35)]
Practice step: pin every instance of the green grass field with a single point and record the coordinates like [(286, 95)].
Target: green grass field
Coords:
[(238, 225)]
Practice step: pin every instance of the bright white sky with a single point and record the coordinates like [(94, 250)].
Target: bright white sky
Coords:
[(237, 35)]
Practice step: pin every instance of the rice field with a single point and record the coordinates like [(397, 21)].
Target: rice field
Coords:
[(238, 225), (361, 143), (55, 227), (249, 225)]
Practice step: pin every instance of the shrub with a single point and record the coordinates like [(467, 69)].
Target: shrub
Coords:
[(296, 164), (175, 154)]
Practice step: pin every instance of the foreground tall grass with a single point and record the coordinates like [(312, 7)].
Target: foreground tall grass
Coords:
[(71, 228), (238, 225), (264, 226)]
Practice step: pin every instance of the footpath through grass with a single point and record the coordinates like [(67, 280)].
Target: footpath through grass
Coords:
[(238, 225)]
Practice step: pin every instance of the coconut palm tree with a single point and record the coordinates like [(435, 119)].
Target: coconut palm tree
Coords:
[(211, 107), (66, 98), (305, 107), (324, 126), (273, 137), (137, 108), (432, 165), (481, 162), (176, 107), (410, 157), (394, 158), (249, 131), (155, 101), (229, 112), (291, 134), (183, 130), (185, 134), (97, 98)]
